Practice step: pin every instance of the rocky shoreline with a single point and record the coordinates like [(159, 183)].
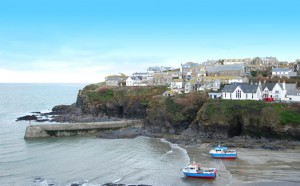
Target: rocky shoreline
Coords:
[(65, 114), (187, 139), (188, 142), (188, 119)]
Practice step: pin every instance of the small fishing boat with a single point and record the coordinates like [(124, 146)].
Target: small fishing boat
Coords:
[(223, 153), (195, 171)]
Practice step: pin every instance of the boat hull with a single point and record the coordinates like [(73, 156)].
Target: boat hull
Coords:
[(200, 175), (224, 156)]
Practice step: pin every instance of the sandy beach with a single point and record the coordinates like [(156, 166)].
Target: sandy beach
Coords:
[(252, 167)]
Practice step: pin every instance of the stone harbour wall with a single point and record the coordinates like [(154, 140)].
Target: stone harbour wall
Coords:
[(78, 129)]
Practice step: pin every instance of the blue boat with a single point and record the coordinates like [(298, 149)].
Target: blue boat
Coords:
[(195, 171), (223, 153)]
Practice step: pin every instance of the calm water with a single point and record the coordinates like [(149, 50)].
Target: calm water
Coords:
[(131, 161), (67, 160)]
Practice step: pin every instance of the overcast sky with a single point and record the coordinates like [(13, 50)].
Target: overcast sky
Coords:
[(82, 41)]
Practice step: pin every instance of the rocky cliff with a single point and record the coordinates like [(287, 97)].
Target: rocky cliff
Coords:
[(173, 115), (186, 115), (118, 102), (228, 118)]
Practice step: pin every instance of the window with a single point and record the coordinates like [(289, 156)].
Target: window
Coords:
[(276, 91), (238, 94), (246, 96), (252, 95)]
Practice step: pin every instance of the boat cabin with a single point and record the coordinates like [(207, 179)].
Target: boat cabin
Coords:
[(220, 149)]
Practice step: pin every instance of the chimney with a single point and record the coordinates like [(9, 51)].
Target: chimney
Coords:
[(283, 85), (265, 81)]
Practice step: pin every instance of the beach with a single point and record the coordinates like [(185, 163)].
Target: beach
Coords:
[(252, 167)]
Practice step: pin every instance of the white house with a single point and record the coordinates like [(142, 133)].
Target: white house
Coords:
[(283, 72), (133, 81), (274, 90), (241, 91), (177, 85)]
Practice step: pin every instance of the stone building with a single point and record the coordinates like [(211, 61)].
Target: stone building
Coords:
[(226, 70)]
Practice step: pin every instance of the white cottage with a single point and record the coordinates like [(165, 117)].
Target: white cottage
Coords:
[(133, 81), (177, 85), (283, 72), (276, 91), (241, 91)]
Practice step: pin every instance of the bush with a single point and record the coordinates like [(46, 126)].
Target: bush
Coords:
[(289, 117)]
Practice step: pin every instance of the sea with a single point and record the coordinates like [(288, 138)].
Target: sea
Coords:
[(94, 161)]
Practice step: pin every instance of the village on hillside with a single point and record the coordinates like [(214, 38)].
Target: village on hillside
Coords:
[(238, 79)]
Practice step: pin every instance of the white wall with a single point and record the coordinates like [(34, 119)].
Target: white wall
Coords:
[(293, 98), (129, 82), (281, 93), (244, 96)]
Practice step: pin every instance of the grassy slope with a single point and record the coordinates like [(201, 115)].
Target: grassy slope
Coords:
[(286, 114)]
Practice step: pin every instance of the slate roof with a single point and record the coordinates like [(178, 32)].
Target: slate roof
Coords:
[(270, 86), (137, 78), (291, 89), (280, 69), (189, 65), (221, 68), (140, 74), (246, 88), (113, 78)]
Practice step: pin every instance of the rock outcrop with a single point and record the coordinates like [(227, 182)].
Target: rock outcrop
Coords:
[(227, 119), (173, 115)]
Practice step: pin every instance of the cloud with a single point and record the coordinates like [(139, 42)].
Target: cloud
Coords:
[(71, 65), (12, 76)]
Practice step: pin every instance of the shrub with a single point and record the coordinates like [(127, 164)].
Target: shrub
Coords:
[(289, 117)]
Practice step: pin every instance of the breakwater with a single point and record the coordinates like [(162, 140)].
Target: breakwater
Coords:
[(78, 129)]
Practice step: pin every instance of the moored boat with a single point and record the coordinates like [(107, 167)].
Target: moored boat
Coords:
[(195, 171), (223, 153)]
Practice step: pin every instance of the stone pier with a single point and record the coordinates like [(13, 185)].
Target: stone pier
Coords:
[(78, 129)]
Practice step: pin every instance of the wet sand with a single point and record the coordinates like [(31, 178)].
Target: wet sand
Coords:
[(252, 167)]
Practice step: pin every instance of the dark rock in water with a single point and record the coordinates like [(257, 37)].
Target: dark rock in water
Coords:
[(60, 108), (36, 112), (270, 147), (27, 118), (79, 183), (38, 180), (42, 120)]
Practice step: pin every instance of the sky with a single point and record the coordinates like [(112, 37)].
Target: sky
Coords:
[(82, 41)]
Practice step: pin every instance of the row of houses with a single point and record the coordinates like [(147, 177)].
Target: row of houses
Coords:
[(244, 91), (208, 76)]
